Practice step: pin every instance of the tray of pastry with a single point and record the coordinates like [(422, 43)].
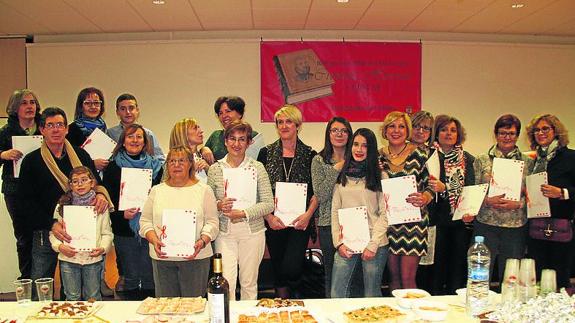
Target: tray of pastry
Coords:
[(172, 305)]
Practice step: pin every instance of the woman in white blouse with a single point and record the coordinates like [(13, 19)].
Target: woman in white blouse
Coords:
[(174, 276)]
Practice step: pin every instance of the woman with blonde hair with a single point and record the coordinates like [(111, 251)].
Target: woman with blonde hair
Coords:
[(407, 241), (188, 133), (180, 276), (289, 160), (549, 137)]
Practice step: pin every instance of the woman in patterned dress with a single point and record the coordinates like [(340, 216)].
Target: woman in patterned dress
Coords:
[(408, 241)]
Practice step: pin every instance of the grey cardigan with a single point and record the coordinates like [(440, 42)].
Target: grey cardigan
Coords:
[(265, 200)]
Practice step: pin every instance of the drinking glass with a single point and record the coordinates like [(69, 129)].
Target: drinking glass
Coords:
[(45, 289), (23, 289), (548, 281)]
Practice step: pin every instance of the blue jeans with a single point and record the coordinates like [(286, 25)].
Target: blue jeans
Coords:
[(343, 271), (134, 256), (44, 258), (81, 282)]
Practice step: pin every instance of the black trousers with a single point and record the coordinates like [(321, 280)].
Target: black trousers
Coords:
[(552, 255), (450, 265), (23, 236), (287, 253)]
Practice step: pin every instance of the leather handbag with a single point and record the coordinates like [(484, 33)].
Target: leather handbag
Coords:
[(558, 230)]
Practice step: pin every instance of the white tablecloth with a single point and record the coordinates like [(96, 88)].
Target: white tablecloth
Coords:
[(326, 310)]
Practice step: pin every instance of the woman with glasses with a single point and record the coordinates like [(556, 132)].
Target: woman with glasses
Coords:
[(181, 276), (408, 241), (325, 168), (549, 137), (23, 112), (502, 222), (289, 160), (452, 237), (134, 150), (87, 117), (188, 133), (422, 126), (242, 239)]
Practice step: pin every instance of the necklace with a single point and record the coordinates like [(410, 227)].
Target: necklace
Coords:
[(287, 173), (392, 155)]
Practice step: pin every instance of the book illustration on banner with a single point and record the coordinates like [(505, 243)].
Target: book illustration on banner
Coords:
[(290, 201), (395, 192), (354, 228), (135, 185), (178, 232), (470, 201), (26, 145), (302, 76), (537, 204), (506, 178), (80, 223)]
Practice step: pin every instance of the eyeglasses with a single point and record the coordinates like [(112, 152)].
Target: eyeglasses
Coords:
[(422, 128), (93, 103), (241, 140), (543, 130), (57, 125), (80, 181), (180, 161), (508, 134), (336, 131)]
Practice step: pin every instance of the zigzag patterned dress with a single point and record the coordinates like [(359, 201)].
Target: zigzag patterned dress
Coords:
[(409, 239)]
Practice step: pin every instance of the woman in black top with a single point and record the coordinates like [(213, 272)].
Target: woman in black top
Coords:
[(288, 160), (23, 111), (548, 136)]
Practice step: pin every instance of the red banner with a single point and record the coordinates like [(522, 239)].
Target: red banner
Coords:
[(360, 81)]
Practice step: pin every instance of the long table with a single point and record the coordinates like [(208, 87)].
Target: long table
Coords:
[(325, 310)]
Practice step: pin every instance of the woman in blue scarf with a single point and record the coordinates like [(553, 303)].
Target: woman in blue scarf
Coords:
[(134, 150), (88, 117)]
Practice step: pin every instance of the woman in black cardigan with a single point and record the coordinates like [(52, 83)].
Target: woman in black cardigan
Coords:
[(452, 237), (548, 136)]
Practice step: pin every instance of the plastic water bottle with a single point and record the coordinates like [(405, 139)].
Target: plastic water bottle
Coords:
[(478, 258)]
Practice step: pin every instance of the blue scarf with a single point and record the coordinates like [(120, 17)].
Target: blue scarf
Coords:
[(87, 125), (144, 161)]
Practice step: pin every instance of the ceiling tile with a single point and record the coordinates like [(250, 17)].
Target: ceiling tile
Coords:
[(224, 14), (444, 15), (330, 14), (14, 22), (280, 14), (391, 14), (117, 16), (499, 15), (556, 14), (173, 15)]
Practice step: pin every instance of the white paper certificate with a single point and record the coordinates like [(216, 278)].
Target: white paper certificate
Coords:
[(178, 232), (395, 191), (506, 178), (241, 184), (80, 223), (290, 201), (537, 204), (470, 200), (135, 186), (26, 145), (99, 145), (432, 165), (354, 228)]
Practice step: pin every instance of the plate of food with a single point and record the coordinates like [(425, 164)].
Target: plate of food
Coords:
[(172, 305), (283, 316), (430, 310), (375, 314), (279, 303), (405, 297), (68, 310)]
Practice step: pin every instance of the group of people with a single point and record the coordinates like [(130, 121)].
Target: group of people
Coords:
[(346, 173)]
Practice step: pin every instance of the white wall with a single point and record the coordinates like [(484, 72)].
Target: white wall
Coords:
[(475, 82)]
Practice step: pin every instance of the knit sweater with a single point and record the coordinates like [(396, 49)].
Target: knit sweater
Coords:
[(265, 199), (323, 178)]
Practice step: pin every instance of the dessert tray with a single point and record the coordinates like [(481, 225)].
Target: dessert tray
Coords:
[(67, 310), (172, 305)]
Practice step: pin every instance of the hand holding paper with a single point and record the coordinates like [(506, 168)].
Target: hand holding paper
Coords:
[(354, 228), (396, 191), (537, 203), (134, 187), (25, 145), (506, 178), (290, 201), (99, 145), (178, 232), (470, 201), (81, 222), (241, 184)]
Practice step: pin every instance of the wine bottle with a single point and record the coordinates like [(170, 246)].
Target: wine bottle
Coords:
[(218, 293)]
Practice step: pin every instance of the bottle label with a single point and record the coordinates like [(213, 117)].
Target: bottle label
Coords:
[(217, 312), (479, 274)]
